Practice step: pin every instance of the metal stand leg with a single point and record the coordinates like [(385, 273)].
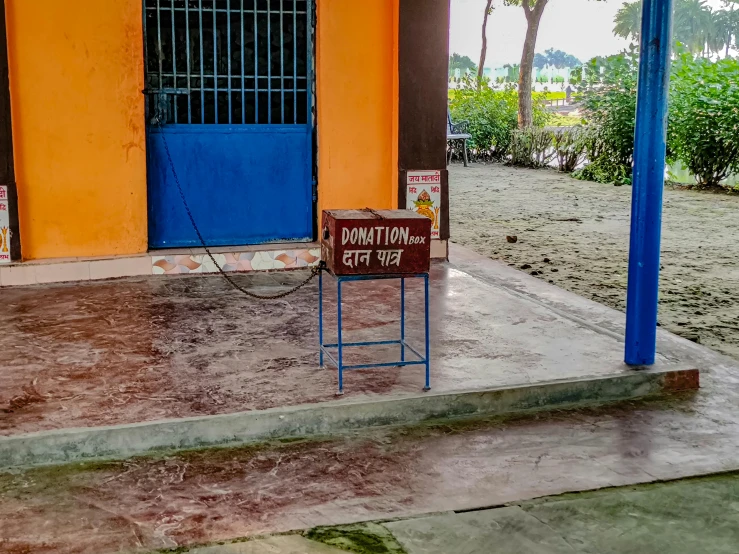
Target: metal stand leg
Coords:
[(320, 317), (402, 319), (341, 346), (464, 153), (428, 348)]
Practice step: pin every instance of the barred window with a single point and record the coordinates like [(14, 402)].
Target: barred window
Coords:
[(228, 61)]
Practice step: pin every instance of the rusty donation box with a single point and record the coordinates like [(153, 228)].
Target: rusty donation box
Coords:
[(376, 242)]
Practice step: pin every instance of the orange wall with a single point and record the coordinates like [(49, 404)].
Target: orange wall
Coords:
[(357, 100), (76, 71), (76, 75)]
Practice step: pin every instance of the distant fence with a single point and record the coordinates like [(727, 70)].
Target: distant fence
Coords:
[(556, 102)]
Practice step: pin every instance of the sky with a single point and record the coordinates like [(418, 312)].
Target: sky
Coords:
[(583, 28)]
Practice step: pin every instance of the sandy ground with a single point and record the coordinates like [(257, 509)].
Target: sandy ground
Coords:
[(575, 234)]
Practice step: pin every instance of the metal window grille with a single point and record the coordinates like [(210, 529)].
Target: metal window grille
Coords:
[(229, 61)]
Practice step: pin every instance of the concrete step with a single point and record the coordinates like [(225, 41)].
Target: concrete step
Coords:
[(203, 497), (335, 417)]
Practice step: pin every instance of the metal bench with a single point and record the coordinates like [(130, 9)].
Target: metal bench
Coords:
[(457, 133)]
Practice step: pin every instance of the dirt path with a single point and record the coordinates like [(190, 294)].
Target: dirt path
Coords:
[(582, 229)]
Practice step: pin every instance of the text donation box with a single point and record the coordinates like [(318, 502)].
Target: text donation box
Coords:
[(364, 245), (376, 242)]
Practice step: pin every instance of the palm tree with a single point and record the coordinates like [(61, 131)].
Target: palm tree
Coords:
[(693, 24), (696, 25), (726, 26), (719, 37), (628, 21)]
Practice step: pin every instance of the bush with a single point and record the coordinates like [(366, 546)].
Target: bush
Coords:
[(569, 145), (704, 118), (703, 130), (601, 169), (532, 147), (609, 103), (492, 116), (537, 147)]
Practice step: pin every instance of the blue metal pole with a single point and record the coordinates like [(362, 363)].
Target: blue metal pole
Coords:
[(648, 182)]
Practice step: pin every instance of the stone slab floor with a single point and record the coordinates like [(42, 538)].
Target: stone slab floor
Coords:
[(179, 500), (683, 517), (688, 517)]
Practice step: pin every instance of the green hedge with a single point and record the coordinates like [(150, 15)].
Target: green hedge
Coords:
[(703, 130), (492, 115)]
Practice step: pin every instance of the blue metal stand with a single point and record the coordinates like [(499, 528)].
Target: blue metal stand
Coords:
[(648, 182), (340, 345)]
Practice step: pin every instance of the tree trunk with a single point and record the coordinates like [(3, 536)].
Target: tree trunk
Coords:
[(484, 50), (730, 33), (525, 103)]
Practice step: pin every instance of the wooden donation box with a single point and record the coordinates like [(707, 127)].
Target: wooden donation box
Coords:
[(375, 242)]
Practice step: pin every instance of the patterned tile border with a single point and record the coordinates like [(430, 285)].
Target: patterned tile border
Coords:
[(92, 269), (236, 261)]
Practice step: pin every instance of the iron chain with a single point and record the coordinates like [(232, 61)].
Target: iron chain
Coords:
[(314, 270)]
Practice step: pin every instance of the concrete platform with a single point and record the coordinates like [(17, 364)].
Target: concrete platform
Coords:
[(114, 369)]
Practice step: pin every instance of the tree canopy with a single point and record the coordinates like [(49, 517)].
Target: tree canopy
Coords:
[(463, 63), (697, 26), (556, 58)]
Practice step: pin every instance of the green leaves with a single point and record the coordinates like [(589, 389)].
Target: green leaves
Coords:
[(697, 26), (463, 63), (492, 115), (609, 101), (703, 116)]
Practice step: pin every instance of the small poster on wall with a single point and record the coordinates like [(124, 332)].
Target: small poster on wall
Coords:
[(4, 226), (423, 196)]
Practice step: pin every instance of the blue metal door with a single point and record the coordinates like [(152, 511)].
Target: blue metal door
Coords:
[(229, 94)]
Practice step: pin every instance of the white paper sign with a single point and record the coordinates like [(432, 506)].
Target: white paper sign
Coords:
[(4, 226), (423, 196)]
